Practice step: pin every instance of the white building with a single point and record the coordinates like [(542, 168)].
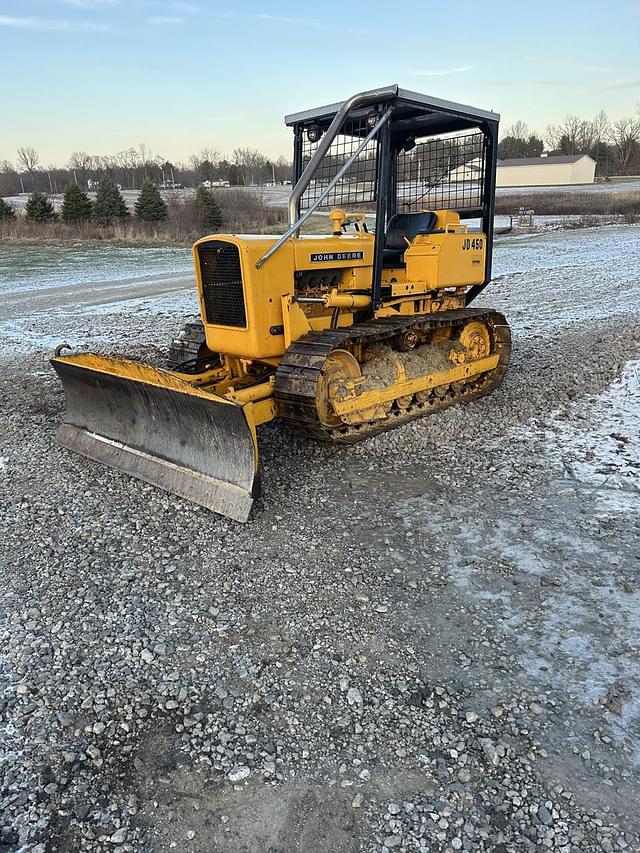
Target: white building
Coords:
[(562, 170), (471, 171)]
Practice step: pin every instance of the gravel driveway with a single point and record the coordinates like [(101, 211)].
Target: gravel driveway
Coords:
[(426, 642)]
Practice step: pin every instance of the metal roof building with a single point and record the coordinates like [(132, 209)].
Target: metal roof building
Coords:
[(562, 170)]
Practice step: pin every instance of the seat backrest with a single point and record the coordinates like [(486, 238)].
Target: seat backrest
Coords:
[(407, 225)]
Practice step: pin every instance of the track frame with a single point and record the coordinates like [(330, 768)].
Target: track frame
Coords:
[(300, 371)]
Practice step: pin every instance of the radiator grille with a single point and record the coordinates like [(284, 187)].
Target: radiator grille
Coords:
[(222, 284)]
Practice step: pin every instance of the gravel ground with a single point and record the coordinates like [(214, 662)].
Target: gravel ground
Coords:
[(425, 642)]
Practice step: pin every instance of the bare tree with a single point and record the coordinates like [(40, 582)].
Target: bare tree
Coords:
[(568, 137), (283, 169), (80, 162), (518, 130), (156, 163), (205, 163), (625, 136), (601, 127), (128, 161), (249, 161), (211, 155), (28, 158), (145, 157)]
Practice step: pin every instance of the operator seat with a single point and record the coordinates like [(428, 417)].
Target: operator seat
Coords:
[(403, 225)]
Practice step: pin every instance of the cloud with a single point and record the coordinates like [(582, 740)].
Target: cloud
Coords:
[(597, 68), (622, 84), (165, 20), (184, 7), (89, 4), (505, 81), (304, 22), (442, 72), (51, 24), (548, 61)]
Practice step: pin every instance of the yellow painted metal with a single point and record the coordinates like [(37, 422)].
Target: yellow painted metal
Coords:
[(195, 434), (217, 376), (355, 402), (261, 411), (251, 393), (419, 304), (161, 429), (263, 290), (136, 372), (275, 320), (339, 249), (336, 378), (475, 339), (337, 218), (294, 321), (452, 258), (406, 288), (347, 300)]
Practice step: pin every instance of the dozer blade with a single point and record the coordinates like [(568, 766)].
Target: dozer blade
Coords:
[(160, 429)]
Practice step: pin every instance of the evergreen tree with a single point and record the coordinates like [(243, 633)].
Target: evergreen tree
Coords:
[(520, 146), (207, 208), (150, 207), (6, 211), (76, 206), (39, 208), (109, 205)]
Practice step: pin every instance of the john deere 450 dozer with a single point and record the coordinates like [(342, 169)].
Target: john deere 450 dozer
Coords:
[(341, 335)]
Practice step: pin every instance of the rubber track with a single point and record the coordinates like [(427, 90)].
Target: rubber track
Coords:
[(300, 369)]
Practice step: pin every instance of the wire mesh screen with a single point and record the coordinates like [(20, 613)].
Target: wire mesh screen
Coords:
[(358, 184), (444, 172)]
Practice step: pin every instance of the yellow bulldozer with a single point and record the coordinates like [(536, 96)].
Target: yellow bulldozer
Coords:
[(341, 335)]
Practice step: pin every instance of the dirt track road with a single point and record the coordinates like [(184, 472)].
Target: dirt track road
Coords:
[(37, 303)]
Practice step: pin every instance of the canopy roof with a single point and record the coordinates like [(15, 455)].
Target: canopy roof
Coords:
[(420, 115)]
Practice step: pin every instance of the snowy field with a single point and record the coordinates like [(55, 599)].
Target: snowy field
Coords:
[(27, 268), (600, 187)]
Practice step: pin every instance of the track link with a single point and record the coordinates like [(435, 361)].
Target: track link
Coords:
[(300, 370), (188, 351)]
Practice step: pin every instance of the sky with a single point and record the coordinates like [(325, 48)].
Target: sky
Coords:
[(183, 75)]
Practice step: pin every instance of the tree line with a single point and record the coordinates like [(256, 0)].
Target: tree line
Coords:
[(128, 169), (110, 208), (614, 145)]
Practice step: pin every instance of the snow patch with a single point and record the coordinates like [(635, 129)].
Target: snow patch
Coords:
[(600, 446)]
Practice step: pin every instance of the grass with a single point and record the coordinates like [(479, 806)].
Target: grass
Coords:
[(624, 205), (242, 212)]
